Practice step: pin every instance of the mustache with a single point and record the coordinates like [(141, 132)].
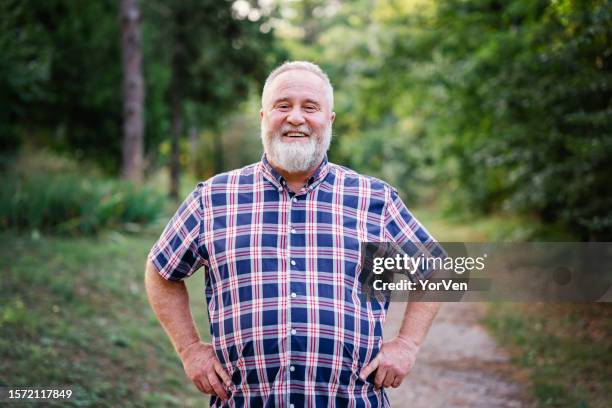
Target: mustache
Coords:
[(305, 129)]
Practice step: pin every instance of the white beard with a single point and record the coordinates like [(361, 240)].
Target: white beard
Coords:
[(296, 157)]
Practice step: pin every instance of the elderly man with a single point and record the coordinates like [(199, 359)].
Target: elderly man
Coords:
[(280, 243)]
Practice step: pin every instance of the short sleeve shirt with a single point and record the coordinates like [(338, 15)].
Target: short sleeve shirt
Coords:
[(282, 279)]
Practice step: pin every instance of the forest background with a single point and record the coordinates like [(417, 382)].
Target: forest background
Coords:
[(492, 118)]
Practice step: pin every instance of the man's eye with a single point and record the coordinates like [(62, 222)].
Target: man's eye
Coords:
[(283, 106), (311, 108)]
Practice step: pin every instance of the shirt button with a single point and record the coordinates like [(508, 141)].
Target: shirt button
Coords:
[(280, 189), (293, 231), (295, 200), (293, 294), (293, 331), (292, 262), (292, 368), (291, 406)]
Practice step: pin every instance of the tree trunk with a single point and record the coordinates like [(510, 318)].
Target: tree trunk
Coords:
[(178, 68), (133, 93), (193, 137), (218, 149), (177, 125)]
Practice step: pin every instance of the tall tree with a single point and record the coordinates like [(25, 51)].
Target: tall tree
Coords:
[(213, 58), (179, 68), (133, 92)]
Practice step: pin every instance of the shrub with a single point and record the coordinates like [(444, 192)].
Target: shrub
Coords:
[(69, 202)]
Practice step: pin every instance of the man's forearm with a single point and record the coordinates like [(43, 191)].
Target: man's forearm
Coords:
[(417, 321), (170, 302)]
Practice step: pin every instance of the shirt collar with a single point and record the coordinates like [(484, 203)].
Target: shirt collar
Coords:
[(279, 181)]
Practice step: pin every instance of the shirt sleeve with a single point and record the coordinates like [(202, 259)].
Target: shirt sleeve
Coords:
[(177, 252), (411, 238)]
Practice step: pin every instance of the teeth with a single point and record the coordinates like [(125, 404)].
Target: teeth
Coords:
[(295, 134)]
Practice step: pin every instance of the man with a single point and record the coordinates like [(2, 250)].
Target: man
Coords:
[(280, 242)]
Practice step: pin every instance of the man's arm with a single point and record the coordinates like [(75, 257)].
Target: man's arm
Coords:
[(396, 357), (170, 302)]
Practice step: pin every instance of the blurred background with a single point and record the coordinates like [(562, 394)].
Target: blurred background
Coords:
[(492, 118)]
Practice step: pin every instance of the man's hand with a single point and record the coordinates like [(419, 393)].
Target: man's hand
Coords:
[(393, 363), (205, 370)]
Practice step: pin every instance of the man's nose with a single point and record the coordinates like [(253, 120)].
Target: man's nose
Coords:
[(295, 117)]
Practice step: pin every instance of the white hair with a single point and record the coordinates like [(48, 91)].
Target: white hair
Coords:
[(304, 66)]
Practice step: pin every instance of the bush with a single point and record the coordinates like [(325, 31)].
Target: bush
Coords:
[(69, 202)]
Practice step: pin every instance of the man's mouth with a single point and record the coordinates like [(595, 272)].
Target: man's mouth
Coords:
[(295, 134)]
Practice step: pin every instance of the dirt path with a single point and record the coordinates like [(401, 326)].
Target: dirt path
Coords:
[(459, 365)]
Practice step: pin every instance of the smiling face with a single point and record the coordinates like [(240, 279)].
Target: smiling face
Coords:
[(296, 121)]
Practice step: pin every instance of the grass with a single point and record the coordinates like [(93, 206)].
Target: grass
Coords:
[(73, 312), (566, 349), (478, 229)]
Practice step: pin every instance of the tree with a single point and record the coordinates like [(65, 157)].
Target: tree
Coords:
[(133, 92), (503, 106), (532, 102), (61, 82), (213, 58)]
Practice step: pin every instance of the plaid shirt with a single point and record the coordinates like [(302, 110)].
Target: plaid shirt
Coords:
[(286, 317)]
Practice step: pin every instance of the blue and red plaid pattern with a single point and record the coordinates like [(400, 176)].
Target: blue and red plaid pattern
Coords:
[(282, 287)]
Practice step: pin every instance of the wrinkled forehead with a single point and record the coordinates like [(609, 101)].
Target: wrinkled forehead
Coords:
[(297, 85)]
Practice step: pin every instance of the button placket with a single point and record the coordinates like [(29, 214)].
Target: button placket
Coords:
[(292, 262)]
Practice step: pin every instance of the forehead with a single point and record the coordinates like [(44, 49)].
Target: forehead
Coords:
[(296, 84)]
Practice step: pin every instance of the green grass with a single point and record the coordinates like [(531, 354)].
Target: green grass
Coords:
[(492, 228), (74, 204), (477, 229), (73, 312), (565, 348)]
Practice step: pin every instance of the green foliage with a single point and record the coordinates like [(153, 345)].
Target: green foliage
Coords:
[(62, 91), (563, 347), (500, 106), (60, 71), (505, 106), (68, 201), (530, 87), (24, 68)]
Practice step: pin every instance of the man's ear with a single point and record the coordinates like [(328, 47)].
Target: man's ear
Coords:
[(333, 117), (261, 114)]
